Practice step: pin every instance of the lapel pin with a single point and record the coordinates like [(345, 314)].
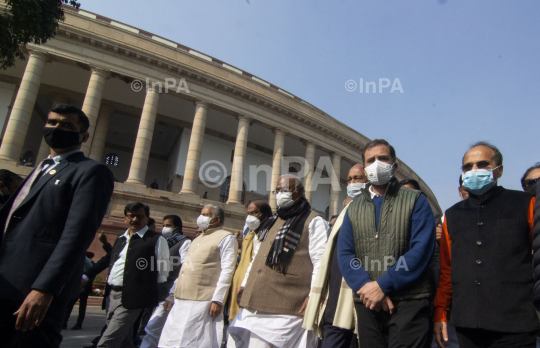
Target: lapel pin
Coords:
[(52, 172), (57, 182)]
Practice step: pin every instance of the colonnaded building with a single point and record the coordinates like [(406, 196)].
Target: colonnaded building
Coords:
[(204, 131)]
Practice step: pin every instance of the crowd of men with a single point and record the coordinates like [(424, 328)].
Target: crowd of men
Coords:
[(385, 272)]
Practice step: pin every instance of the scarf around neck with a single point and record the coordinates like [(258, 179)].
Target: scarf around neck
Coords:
[(289, 234)]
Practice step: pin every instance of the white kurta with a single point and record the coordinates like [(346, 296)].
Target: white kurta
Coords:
[(189, 324), (259, 329), (159, 316)]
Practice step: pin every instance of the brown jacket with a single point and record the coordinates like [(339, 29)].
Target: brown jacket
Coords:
[(272, 292)]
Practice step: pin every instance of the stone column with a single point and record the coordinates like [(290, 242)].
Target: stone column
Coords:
[(23, 107), (310, 160), (44, 149), (279, 146), (237, 175), (193, 162), (141, 152), (100, 135), (92, 101), (334, 194)]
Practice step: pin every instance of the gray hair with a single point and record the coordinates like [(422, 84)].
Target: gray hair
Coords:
[(297, 182), (217, 211)]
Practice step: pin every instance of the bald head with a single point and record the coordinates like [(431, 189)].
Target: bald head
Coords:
[(357, 174)]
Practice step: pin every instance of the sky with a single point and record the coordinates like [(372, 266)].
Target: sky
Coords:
[(469, 70)]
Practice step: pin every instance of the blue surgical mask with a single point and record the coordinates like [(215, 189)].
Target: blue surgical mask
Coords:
[(478, 181), (355, 189)]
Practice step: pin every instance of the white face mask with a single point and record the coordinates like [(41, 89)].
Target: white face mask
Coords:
[(355, 189), (284, 199), (379, 173), (253, 222), (203, 222), (166, 232)]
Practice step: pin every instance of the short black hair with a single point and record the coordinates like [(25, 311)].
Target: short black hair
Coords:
[(7, 177), (263, 207), (536, 166), (333, 217), (68, 109), (177, 222), (131, 207), (498, 155), (376, 142), (412, 182), (151, 221)]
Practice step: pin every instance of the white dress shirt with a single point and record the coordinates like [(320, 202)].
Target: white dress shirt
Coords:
[(183, 250), (57, 160), (116, 276)]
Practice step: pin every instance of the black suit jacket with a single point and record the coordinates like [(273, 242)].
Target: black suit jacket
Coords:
[(44, 245)]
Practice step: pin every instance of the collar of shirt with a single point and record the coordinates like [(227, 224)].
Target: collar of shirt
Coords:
[(141, 232), (58, 159), (373, 194)]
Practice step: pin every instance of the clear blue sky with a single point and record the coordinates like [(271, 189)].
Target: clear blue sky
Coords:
[(469, 69)]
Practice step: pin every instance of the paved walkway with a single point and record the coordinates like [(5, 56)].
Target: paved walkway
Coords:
[(93, 322)]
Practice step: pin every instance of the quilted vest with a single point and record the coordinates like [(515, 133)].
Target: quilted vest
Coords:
[(379, 248)]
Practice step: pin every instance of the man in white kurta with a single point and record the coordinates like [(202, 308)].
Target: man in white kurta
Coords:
[(196, 319), (161, 312), (261, 329)]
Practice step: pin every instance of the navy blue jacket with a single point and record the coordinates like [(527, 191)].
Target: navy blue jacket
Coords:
[(44, 245)]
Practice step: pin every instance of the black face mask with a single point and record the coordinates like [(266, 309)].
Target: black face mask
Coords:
[(532, 189), (60, 139)]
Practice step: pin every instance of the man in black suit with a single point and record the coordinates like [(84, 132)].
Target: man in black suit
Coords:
[(47, 225)]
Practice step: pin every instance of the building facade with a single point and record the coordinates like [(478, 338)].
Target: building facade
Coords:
[(167, 116)]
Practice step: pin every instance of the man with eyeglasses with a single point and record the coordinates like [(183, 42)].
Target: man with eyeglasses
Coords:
[(139, 261), (486, 261), (278, 282), (329, 313), (529, 180)]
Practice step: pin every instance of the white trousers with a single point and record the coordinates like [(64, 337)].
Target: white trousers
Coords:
[(154, 327)]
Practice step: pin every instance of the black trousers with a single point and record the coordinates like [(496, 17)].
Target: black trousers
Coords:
[(145, 316), (479, 338), (336, 337), (83, 301), (46, 335), (407, 327)]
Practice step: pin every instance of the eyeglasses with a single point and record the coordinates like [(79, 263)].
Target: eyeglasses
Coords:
[(480, 165), (135, 216), (530, 182)]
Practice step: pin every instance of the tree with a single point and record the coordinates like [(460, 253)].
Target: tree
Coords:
[(24, 21)]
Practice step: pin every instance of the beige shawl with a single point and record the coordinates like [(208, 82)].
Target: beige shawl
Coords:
[(241, 270), (344, 317)]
